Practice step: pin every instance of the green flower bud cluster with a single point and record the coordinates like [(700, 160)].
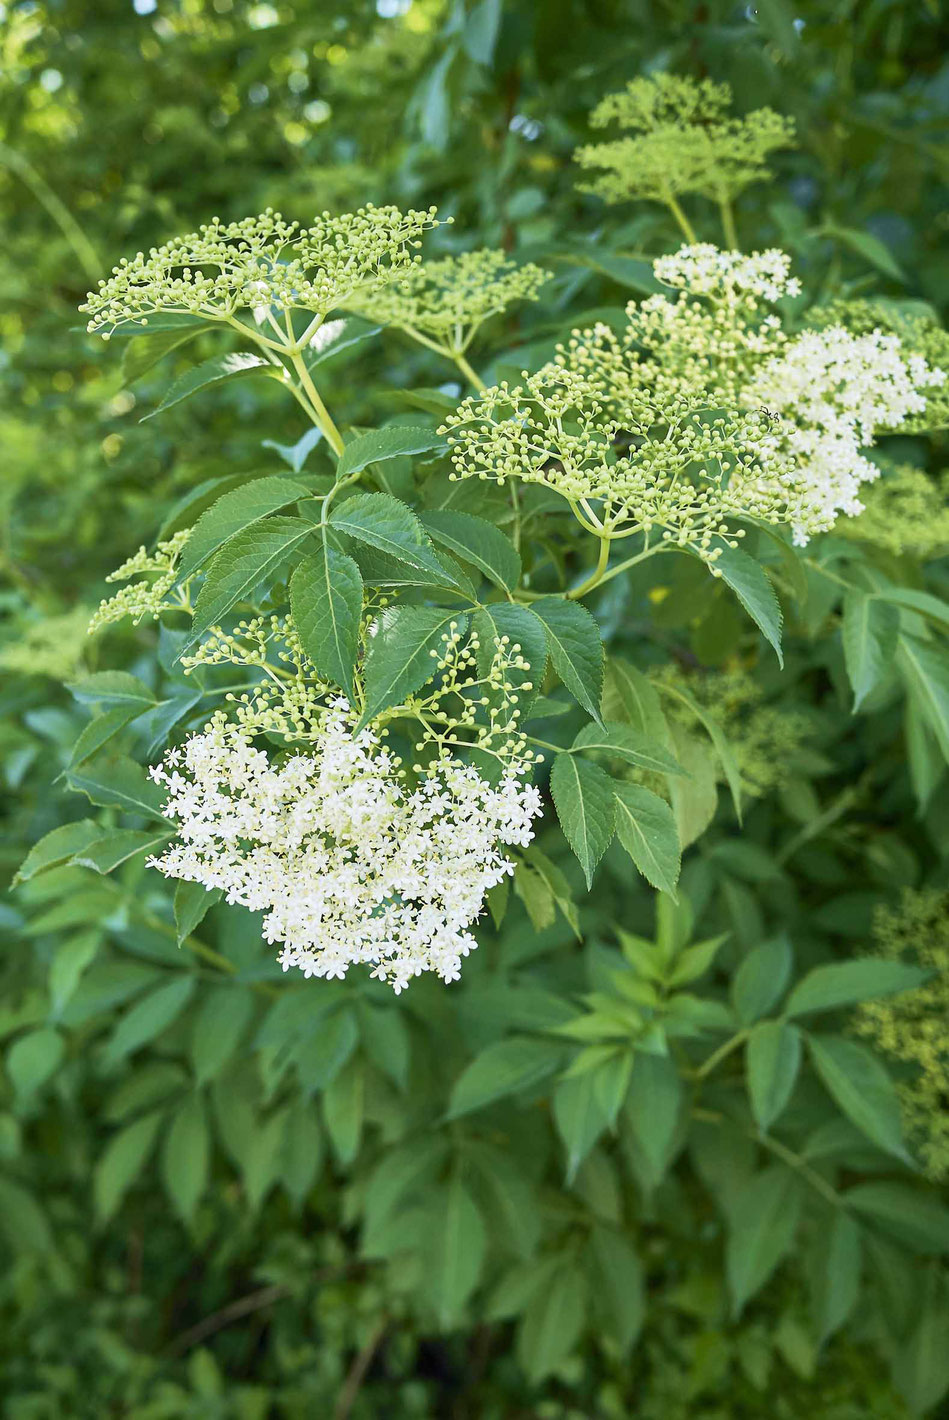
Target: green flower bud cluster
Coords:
[(290, 701), (685, 142), (472, 702), (150, 596), (912, 1027), (261, 263), (905, 512), (766, 739), (627, 460), (447, 300)]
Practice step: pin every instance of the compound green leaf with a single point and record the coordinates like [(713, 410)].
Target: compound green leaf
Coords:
[(400, 659), (246, 562), (233, 513)]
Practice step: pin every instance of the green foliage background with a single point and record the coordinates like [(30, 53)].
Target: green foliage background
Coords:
[(199, 1215)]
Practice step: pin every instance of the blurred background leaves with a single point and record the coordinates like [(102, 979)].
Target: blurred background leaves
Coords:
[(226, 1194)]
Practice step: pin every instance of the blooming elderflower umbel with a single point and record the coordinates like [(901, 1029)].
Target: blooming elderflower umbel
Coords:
[(685, 142), (701, 412), (261, 263), (833, 389), (919, 334), (835, 392), (626, 460), (447, 300), (353, 857)]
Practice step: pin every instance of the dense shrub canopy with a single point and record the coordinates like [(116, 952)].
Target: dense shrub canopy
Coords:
[(530, 595)]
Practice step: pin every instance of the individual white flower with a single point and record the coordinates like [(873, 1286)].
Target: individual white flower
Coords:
[(350, 861)]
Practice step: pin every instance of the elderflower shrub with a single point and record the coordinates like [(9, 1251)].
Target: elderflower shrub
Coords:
[(149, 597), (685, 142), (693, 1171), (258, 263), (353, 857), (905, 512), (911, 1028), (448, 300)]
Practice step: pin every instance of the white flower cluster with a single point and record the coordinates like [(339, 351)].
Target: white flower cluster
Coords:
[(834, 391), (350, 860), (706, 270)]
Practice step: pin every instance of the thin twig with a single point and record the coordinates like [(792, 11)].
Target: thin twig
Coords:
[(253, 1302), (357, 1371), (243, 1306)]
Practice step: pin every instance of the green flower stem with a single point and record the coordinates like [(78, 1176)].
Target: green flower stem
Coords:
[(598, 580), (801, 1166), (304, 404), (471, 375), (448, 352), (245, 331), (310, 331), (516, 508), (596, 576), (728, 225), (782, 1152), (594, 529), (427, 341), (685, 225), (324, 420), (721, 1054)]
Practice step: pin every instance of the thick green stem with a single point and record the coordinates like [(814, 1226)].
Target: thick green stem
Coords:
[(470, 375), (728, 225), (604, 577), (596, 576), (324, 419)]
